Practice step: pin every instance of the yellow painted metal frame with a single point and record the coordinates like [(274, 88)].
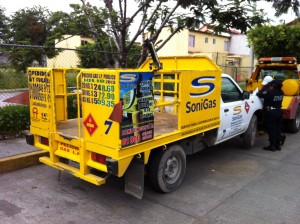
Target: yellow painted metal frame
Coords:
[(172, 65), (161, 103)]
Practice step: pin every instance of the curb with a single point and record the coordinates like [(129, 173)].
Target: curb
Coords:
[(21, 161)]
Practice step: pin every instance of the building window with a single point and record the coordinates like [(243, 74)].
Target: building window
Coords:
[(191, 41), (226, 45), (214, 41), (206, 40)]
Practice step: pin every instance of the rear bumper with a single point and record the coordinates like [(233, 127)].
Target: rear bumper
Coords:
[(74, 171)]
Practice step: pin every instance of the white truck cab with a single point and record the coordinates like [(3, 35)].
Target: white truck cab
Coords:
[(239, 111)]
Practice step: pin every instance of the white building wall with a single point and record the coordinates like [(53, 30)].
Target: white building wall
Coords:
[(239, 45)]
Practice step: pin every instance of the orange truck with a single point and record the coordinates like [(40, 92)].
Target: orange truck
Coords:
[(284, 69)]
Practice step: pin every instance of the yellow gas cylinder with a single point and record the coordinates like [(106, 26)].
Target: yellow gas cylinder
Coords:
[(290, 87)]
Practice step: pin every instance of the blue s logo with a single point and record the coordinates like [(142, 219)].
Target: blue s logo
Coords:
[(197, 84), (128, 77)]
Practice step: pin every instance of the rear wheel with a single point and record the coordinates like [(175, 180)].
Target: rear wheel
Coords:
[(294, 124), (167, 168), (249, 136)]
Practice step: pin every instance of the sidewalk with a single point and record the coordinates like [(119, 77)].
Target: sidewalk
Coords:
[(17, 154)]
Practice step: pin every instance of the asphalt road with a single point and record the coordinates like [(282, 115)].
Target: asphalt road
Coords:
[(225, 184)]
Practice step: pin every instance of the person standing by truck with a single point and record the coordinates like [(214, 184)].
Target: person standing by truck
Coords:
[(261, 93), (273, 115), (265, 87), (266, 83)]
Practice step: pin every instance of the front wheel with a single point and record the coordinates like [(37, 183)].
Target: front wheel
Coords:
[(249, 136), (167, 168)]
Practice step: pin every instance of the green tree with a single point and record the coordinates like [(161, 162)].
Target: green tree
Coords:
[(283, 6), (87, 21), (91, 57), (30, 26), (3, 25), (275, 41), (152, 16), (76, 22)]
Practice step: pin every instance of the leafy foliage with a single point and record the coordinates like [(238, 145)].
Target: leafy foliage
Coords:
[(30, 26), (90, 57), (282, 6), (111, 24), (275, 41), (236, 15), (3, 25), (134, 55), (14, 119), (10, 79), (152, 16), (75, 23), (72, 107)]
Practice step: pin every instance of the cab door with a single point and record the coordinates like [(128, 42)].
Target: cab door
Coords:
[(233, 110)]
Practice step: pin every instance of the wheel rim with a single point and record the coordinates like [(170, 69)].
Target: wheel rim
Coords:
[(172, 169)]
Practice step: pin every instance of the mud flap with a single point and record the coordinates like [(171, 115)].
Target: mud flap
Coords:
[(134, 178)]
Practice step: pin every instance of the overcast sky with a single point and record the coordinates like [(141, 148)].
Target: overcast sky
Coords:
[(63, 5), (53, 5)]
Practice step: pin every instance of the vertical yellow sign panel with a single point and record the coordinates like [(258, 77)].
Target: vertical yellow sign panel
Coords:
[(40, 85), (200, 99), (100, 106)]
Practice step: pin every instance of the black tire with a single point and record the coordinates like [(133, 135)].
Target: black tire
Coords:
[(294, 124), (167, 168), (249, 137)]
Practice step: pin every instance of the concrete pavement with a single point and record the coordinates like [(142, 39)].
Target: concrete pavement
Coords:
[(15, 154), (225, 184), (15, 146)]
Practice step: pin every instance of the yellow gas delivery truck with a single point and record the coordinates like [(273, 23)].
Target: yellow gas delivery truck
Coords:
[(130, 120)]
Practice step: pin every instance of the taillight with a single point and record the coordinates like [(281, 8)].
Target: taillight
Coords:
[(44, 141), (98, 158)]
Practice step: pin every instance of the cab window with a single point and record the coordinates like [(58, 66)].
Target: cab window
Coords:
[(229, 91), (279, 73)]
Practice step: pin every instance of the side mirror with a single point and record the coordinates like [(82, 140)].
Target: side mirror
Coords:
[(245, 95)]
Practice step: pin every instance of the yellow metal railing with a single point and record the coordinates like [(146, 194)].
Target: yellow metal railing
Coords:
[(78, 93), (166, 86)]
